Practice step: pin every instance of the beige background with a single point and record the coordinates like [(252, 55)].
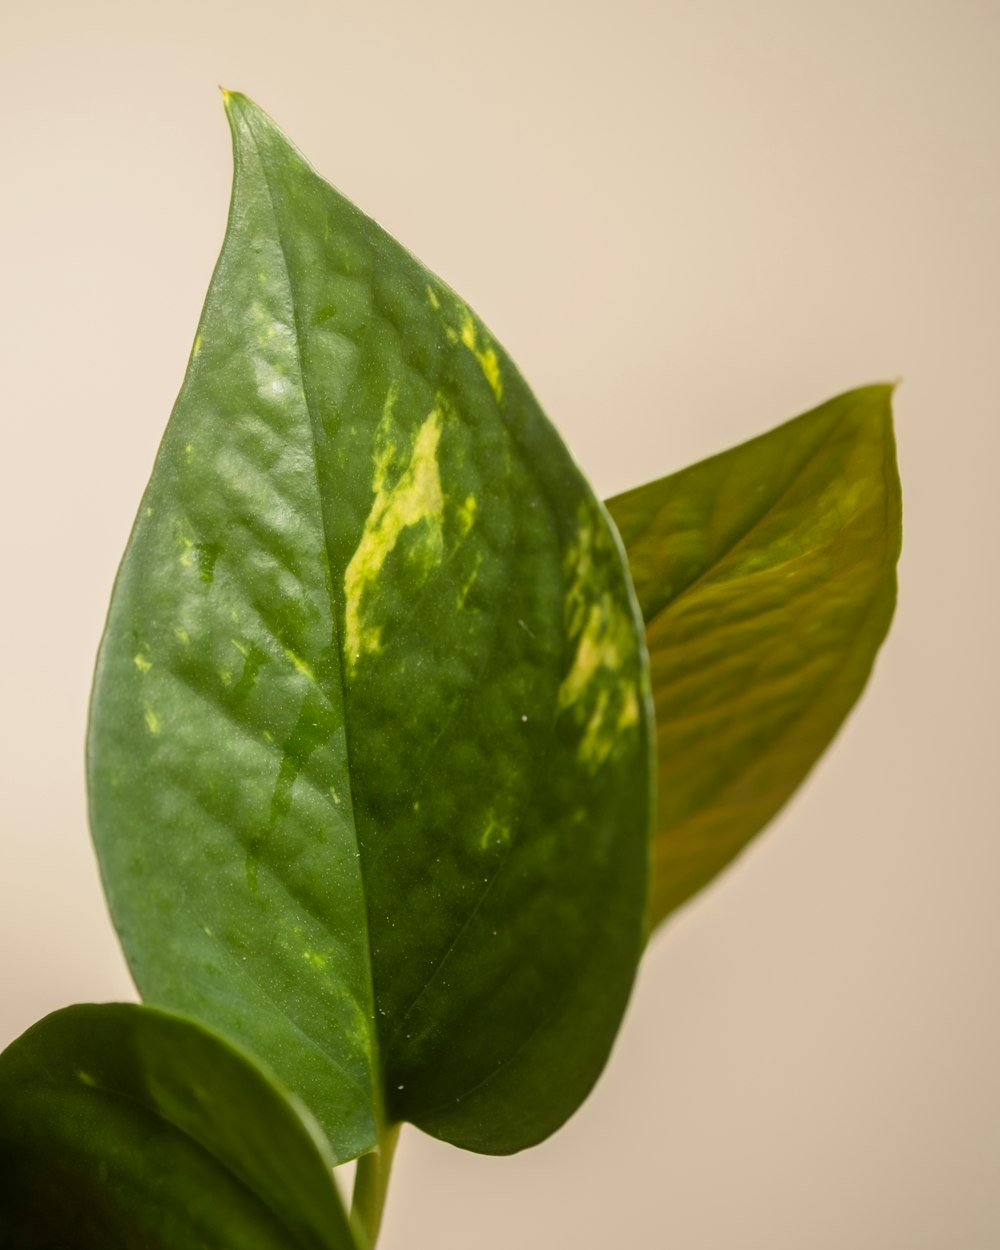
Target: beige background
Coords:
[(687, 222)]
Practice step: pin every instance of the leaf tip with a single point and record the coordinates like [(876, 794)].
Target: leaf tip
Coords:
[(879, 394), (886, 389), (234, 101)]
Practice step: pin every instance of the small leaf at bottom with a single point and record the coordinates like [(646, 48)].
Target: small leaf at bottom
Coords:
[(129, 1127)]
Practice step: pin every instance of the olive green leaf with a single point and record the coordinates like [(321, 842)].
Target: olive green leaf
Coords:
[(766, 577), (370, 755), (126, 1126)]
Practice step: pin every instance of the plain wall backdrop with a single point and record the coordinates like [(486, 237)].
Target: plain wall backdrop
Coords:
[(687, 223)]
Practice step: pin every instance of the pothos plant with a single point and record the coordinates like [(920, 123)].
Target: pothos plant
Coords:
[(402, 743)]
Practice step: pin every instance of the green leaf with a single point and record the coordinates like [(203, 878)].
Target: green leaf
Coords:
[(370, 751), (129, 1127), (767, 582)]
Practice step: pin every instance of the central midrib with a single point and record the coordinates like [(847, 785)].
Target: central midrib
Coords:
[(378, 1083)]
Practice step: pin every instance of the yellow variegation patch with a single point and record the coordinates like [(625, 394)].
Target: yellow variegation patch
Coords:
[(471, 334), (600, 690), (415, 498)]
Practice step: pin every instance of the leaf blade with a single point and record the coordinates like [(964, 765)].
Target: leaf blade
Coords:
[(462, 612), (768, 574)]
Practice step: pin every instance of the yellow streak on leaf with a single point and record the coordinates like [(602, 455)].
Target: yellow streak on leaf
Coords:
[(300, 665), (463, 590), (466, 514), (600, 688), (471, 336), (600, 646), (495, 834), (414, 499), (486, 356)]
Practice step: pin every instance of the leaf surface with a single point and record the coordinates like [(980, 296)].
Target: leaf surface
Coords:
[(370, 761), (766, 577), (126, 1126)]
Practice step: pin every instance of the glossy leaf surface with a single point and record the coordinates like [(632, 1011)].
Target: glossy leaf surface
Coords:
[(129, 1127), (767, 582), (370, 750)]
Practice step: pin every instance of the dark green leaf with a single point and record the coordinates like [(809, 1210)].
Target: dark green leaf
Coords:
[(767, 581), (370, 757), (128, 1127)]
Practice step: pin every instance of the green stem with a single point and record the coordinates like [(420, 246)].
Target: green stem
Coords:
[(371, 1180)]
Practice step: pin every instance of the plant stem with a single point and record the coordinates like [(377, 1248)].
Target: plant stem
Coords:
[(371, 1180)]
